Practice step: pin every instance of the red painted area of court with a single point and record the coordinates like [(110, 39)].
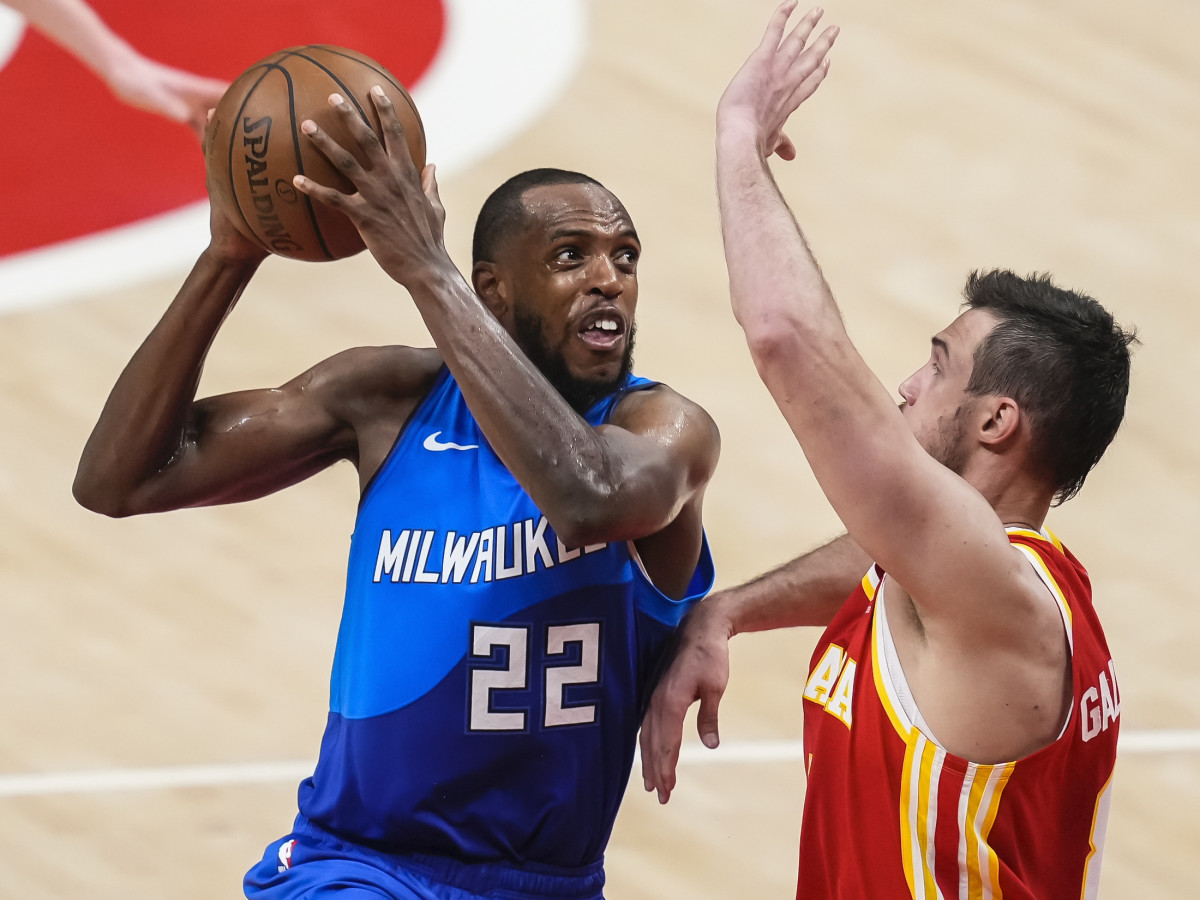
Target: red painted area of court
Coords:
[(75, 160)]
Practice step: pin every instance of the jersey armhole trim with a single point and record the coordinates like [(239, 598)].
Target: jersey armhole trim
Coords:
[(442, 374), (666, 609)]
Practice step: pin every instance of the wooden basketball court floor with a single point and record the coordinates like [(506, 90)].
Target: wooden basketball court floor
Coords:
[(163, 681)]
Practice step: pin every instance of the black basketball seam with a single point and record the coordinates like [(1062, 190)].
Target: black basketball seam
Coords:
[(377, 69), (229, 167), (349, 95), (329, 48), (392, 79), (267, 67), (308, 202)]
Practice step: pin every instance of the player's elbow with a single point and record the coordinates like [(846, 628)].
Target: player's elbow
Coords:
[(583, 523), (772, 342), (603, 515), (591, 514), (91, 494)]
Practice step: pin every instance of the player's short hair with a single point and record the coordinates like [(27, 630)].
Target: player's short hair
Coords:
[(504, 213), (1065, 361)]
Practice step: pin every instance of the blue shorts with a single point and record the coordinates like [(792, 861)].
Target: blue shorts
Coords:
[(311, 863)]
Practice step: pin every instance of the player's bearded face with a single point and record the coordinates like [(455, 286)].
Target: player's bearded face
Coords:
[(581, 393)]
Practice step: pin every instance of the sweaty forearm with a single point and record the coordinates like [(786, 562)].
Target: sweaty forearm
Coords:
[(144, 421), (807, 590), (564, 463)]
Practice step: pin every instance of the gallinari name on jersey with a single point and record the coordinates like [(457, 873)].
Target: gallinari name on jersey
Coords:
[(493, 554), (831, 685)]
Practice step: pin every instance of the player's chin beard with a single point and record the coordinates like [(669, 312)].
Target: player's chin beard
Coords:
[(581, 393), (949, 443)]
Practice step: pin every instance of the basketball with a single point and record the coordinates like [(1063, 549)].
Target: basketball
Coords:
[(255, 146)]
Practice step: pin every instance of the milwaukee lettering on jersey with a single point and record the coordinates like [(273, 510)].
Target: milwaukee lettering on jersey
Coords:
[(494, 554)]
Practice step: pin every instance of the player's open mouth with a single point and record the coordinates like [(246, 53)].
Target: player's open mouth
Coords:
[(602, 329)]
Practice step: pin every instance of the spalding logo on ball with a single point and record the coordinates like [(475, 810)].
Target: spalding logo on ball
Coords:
[(255, 146)]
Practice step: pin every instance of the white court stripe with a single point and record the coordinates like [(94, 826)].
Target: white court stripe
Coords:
[(1161, 741), (158, 778), (1164, 741), (167, 777), (742, 751)]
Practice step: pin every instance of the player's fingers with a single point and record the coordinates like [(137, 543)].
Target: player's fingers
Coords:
[(646, 753), (809, 85), (332, 198), (785, 149), (666, 737), (659, 759), (395, 140), (354, 120), (339, 157), (667, 761), (430, 187), (706, 718), (208, 117), (818, 51), (775, 25), (794, 43)]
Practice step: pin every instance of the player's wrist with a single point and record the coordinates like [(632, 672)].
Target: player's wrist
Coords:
[(718, 615)]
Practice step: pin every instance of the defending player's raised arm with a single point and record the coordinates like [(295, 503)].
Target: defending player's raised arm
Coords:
[(931, 530)]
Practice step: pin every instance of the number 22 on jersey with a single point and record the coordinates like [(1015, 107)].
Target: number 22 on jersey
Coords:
[(509, 647)]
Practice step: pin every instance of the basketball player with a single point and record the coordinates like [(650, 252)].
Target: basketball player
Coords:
[(961, 711), (528, 534)]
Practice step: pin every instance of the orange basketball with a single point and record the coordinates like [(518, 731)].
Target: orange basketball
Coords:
[(255, 146)]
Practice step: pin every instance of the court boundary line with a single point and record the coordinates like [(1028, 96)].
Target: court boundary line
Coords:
[(148, 778)]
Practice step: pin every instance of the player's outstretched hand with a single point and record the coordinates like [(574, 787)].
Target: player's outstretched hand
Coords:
[(181, 96), (396, 208), (699, 670), (779, 75)]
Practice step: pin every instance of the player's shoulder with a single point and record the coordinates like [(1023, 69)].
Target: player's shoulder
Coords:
[(370, 379), (659, 400), (393, 369), (661, 410)]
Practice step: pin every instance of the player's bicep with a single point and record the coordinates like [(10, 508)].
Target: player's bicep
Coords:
[(247, 444)]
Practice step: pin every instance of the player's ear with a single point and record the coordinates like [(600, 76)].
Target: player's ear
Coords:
[(1002, 422), (491, 288)]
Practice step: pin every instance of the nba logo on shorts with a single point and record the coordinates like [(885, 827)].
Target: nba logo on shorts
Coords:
[(285, 855)]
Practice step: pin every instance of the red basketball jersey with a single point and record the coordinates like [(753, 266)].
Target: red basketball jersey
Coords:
[(888, 814)]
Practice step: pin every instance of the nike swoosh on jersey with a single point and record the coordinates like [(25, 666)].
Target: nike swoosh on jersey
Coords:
[(432, 443)]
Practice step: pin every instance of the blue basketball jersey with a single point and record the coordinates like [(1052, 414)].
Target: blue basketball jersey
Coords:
[(488, 681)]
